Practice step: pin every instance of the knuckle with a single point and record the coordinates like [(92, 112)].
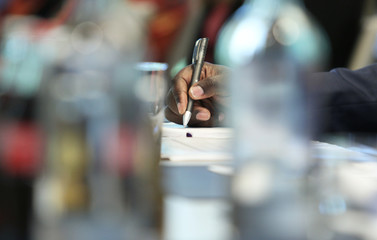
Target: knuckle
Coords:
[(209, 86)]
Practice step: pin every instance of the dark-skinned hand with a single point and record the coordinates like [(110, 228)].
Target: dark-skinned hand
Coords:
[(209, 93)]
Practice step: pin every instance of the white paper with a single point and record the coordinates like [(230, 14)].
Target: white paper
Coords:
[(203, 144), (173, 130), (215, 144)]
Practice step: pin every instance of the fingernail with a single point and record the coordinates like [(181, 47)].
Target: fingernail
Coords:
[(197, 91), (180, 108), (203, 116)]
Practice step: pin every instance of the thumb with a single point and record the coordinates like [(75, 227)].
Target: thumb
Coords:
[(205, 88)]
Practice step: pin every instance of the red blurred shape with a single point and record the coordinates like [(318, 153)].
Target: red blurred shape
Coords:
[(21, 149)]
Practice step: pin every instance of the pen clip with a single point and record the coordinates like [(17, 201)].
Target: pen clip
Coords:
[(199, 49)]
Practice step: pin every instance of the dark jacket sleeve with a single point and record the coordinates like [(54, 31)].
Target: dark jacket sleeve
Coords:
[(344, 100)]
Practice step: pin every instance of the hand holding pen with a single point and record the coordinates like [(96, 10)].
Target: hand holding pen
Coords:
[(209, 93), (198, 56)]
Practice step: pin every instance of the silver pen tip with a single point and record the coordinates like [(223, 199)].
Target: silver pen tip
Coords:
[(186, 118)]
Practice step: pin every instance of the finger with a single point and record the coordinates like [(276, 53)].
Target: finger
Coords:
[(180, 95), (201, 113), (172, 117), (206, 88), (209, 104), (201, 117), (171, 103), (217, 112), (180, 88)]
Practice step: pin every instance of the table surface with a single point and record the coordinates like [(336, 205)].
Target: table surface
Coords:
[(197, 194)]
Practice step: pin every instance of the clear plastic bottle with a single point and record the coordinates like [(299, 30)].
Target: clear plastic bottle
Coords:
[(100, 178), (256, 25), (271, 44), (21, 138)]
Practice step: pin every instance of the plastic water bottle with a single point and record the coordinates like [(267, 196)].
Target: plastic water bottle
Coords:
[(271, 44), (21, 138), (100, 178)]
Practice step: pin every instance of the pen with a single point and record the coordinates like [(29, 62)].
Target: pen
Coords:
[(198, 61)]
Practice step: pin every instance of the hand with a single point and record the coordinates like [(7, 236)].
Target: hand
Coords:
[(209, 95)]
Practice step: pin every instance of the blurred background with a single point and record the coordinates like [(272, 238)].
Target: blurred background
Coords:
[(171, 26), (46, 45)]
